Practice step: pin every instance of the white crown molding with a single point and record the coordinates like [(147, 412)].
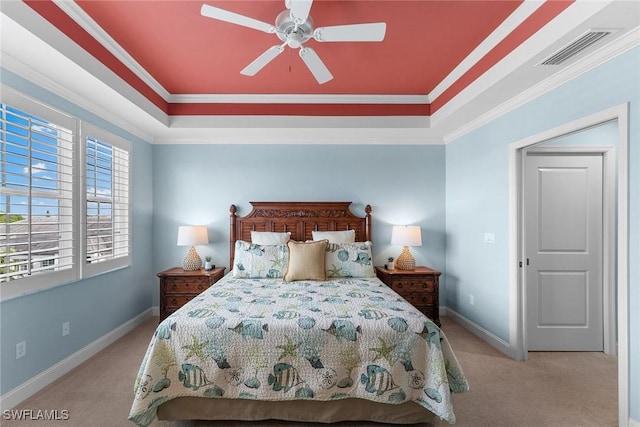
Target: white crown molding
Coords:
[(76, 13), (619, 46), (277, 140), (299, 99), (525, 10), (17, 67), (316, 133)]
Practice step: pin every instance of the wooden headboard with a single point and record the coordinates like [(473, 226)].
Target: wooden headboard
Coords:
[(300, 218)]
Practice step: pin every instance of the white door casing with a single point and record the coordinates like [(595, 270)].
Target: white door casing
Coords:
[(616, 242), (563, 229)]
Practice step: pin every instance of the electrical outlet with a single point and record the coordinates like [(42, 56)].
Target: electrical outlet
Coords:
[(21, 349), (65, 329), (472, 300)]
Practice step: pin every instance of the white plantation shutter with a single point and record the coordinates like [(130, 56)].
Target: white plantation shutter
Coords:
[(64, 197), (107, 231), (36, 194)]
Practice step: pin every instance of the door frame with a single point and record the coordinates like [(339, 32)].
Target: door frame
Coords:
[(608, 235), (619, 270)]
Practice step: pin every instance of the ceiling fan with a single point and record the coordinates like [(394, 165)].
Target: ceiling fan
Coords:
[(294, 27)]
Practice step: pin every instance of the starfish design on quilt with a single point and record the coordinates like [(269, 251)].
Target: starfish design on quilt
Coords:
[(384, 351), (290, 349), (195, 348), (335, 271)]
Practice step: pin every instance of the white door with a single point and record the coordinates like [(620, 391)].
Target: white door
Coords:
[(563, 205)]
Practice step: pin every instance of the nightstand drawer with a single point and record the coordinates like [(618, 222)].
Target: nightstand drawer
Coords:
[(419, 299), (423, 284), (177, 301), (179, 286), (183, 285), (419, 287)]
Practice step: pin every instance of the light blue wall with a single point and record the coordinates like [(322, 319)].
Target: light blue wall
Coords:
[(476, 191), (196, 184), (94, 306)]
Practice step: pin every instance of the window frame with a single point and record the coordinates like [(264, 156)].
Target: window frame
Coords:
[(92, 269), (79, 268)]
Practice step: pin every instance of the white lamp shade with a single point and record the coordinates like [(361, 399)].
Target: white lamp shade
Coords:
[(192, 235), (406, 235)]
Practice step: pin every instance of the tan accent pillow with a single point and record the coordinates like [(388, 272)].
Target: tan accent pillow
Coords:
[(306, 261)]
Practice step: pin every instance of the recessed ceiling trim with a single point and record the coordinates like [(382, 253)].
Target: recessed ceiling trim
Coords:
[(298, 99), (617, 47), (87, 23), (524, 11)]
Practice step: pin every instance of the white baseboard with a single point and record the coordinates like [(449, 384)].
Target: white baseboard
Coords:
[(634, 423), (155, 310), (477, 330), (46, 377)]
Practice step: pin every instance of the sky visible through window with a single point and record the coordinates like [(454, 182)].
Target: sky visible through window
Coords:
[(25, 136)]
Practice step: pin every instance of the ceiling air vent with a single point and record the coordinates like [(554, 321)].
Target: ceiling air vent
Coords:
[(575, 47)]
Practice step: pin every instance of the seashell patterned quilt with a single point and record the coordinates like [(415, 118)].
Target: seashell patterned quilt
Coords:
[(273, 340)]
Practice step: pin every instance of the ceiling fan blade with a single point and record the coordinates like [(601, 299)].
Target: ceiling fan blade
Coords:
[(261, 61), (234, 18), (299, 9), (315, 65), (373, 32)]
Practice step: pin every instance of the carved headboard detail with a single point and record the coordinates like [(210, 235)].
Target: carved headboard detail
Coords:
[(299, 218)]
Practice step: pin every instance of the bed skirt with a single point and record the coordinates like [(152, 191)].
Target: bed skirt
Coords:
[(199, 408)]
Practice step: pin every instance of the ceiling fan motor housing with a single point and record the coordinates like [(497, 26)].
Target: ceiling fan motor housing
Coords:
[(291, 33)]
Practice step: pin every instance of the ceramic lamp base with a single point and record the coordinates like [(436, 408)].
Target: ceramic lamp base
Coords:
[(192, 260), (405, 260)]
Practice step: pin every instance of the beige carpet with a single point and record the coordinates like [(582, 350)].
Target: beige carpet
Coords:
[(551, 389)]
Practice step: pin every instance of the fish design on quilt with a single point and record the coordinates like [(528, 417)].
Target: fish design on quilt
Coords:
[(163, 331), (369, 313), (254, 249), (377, 380), (192, 376), (335, 300), (286, 314), (284, 377), (251, 328), (362, 258), (263, 301), (431, 334), (201, 313), (344, 329)]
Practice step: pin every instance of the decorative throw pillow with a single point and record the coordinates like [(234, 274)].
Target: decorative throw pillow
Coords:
[(349, 260), (306, 261), (270, 238), (260, 261), (347, 236)]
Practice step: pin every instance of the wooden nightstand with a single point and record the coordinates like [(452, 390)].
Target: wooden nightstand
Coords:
[(178, 286), (419, 287)]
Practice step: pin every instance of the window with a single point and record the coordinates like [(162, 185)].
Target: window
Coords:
[(106, 228), (56, 209)]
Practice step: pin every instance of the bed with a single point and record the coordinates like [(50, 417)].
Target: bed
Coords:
[(299, 330)]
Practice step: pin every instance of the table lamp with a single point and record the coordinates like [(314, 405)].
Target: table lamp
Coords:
[(191, 235), (406, 235)]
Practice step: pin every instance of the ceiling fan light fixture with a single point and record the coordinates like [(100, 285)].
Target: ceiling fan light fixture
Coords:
[(294, 27)]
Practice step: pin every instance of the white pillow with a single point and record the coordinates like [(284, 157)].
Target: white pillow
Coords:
[(348, 236), (270, 238)]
